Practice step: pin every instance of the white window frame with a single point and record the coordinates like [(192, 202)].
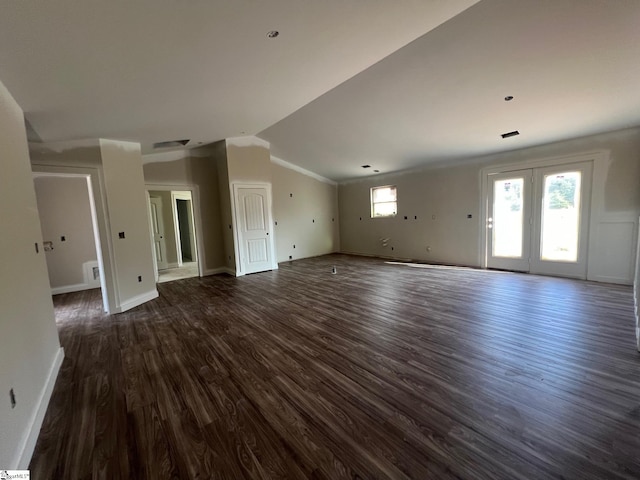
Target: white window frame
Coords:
[(373, 204)]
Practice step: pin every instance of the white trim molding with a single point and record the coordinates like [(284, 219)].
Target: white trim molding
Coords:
[(219, 270), (137, 300), (78, 287), (197, 215), (600, 160), (303, 171), (636, 289), (25, 451)]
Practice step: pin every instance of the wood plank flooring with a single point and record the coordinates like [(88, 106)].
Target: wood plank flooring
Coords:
[(379, 371)]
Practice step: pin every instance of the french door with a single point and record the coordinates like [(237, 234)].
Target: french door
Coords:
[(537, 220)]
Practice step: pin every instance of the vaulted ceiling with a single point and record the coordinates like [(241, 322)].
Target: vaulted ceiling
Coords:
[(394, 84)]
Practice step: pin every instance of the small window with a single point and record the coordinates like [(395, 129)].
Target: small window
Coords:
[(384, 201)]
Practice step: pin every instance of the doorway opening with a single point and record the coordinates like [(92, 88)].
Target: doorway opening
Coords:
[(173, 233), (71, 238)]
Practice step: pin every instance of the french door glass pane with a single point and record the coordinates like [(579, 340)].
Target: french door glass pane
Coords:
[(560, 217), (507, 217)]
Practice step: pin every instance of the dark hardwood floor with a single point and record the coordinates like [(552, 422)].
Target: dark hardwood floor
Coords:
[(379, 371)]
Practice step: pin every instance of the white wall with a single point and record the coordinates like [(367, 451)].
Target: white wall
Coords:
[(202, 174), (128, 213), (226, 226), (449, 194), (65, 211), (305, 213), (117, 182), (30, 354), (452, 193)]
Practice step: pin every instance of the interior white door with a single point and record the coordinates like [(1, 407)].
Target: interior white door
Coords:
[(562, 220), (253, 223), (157, 227), (509, 220)]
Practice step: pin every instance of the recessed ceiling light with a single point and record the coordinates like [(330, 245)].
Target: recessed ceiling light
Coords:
[(510, 134), (273, 34), (508, 98), (366, 166), (377, 171)]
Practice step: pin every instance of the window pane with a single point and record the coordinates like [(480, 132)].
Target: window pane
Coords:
[(383, 201), (507, 218), (384, 209), (561, 217), (384, 194)]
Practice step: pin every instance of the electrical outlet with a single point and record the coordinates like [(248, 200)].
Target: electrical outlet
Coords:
[(63, 238), (121, 234), (139, 278), (12, 396)]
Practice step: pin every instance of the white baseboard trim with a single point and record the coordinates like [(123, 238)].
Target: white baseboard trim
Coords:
[(137, 300), (78, 287), (26, 449), (383, 257), (606, 279), (219, 270)]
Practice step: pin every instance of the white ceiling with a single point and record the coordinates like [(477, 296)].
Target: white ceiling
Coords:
[(572, 66), (329, 93), (152, 70)]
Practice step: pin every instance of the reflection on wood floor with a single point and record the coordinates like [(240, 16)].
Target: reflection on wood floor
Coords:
[(379, 371)]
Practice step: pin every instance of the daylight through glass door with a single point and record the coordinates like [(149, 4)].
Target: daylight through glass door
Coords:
[(537, 219), (561, 217)]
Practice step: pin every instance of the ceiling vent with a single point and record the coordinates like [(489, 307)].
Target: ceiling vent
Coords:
[(171, 143), (366, 166), (510, 134)]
